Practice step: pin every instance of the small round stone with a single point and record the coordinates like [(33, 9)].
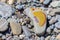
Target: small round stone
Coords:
[(48, 30), (52, 26), (49, 17), (21, 36), (1, 34)]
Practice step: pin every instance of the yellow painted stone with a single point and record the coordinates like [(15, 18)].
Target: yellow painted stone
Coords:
[(39, 15)]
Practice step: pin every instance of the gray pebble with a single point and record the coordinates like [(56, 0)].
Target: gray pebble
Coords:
[(52, 26), (48, 30), (57, 25), (42, 38)]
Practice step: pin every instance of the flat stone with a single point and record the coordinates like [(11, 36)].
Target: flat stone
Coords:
[(3, 24), (52, 20), (52, 26), (6, 10), (15, 27)]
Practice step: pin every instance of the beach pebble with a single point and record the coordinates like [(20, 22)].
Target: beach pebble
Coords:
[(6, 10), (57, 25), (21, 36), (49, 17), (52, 26), (19, 7), (26, 31), (42, 38), (1, 34), (48, 30), (46, 2), (15, 27), (52, 20), (3, 25)]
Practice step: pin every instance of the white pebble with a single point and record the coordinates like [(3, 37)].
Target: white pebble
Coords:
[(48, 30), (21, 36), (49, 17)]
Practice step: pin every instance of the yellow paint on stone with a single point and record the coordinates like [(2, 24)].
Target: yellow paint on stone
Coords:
[(39, 15)]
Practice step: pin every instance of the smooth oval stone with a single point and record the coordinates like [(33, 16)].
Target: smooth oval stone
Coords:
[(52, 26), (42, 38), (3, 25), (48, 30), (53, 20), (15, 27)]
